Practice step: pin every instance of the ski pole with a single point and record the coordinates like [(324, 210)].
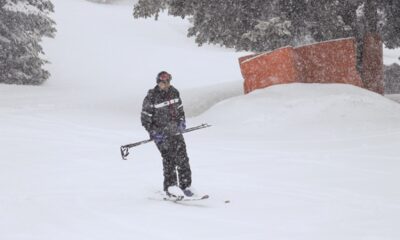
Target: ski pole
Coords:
[(125, 148)]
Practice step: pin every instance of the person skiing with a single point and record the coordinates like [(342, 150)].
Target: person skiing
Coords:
[(163, 118)]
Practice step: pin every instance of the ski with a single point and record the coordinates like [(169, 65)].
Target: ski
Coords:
[(185, 199), (125, 148)]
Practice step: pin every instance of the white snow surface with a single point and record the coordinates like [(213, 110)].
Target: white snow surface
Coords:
[(296, 161), (391, 56), (394, 97)]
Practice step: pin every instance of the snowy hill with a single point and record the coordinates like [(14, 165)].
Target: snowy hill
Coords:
[(394, 97), (297, 161), (329, 110)]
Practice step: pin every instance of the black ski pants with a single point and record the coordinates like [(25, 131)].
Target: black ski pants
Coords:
[(175, 162)]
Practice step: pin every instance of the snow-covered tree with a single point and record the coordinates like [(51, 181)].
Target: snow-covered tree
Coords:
[(149, 8), (260, 25), (23, 23), (219, 22)]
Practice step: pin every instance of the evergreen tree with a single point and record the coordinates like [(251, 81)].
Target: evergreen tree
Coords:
[(220, 22), (392, 79), (261, 25), (391, 25), (23, 23), (149, 8)]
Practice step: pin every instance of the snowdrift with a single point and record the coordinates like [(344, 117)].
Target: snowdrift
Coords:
[(297, 106)]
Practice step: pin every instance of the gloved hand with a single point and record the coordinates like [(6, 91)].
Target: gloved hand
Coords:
[(181, 126), (157, 137)]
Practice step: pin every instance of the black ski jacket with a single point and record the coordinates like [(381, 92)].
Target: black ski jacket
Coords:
[(162, 111)]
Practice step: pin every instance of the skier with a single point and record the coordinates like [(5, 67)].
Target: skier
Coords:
[(163, 117)]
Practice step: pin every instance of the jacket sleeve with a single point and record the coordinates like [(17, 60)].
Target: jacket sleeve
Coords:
[(181, 112), (147, 112)]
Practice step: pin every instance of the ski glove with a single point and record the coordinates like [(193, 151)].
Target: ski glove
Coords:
[(182, 126), (157, 137)]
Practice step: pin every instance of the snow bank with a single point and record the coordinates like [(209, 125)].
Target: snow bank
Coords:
[(199, 100), (310, 109), (394, 97)]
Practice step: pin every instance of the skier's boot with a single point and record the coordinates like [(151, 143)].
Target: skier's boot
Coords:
[(175, 193), (188, 192)]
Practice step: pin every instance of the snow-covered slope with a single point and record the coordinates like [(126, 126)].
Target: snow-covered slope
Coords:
[(308, 110), (297, 161), (394, 97)]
